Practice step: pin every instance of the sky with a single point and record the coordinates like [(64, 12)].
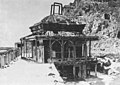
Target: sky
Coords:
[(16, 16)]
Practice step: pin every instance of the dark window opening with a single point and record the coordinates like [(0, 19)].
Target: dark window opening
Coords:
[(118, 36), (107, 16), (34, 42), (79, 51), (68, 10)]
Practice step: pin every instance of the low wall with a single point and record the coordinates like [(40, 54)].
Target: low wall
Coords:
[(7, 56)]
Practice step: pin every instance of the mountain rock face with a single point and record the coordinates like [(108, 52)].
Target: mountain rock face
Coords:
[(102, 18)]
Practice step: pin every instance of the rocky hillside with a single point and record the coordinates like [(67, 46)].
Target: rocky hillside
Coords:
[(101, 19)]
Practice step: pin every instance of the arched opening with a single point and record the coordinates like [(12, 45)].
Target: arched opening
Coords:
[(68, 50), (56, 49), (79, 49)]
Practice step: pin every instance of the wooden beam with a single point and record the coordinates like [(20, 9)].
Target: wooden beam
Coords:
[(78, 38)]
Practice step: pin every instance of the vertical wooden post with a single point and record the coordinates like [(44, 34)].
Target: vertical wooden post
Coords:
[(83, 49), (80, 72), (7, 62), (13, 54), (84, 70), (8, 57), (36, 50), (62, 50), (41, 51), (21, 48), (54, 9), (74, 71), (90, 48), (68, 53), (26, 48), (32, 48), (74, 49), (96, 69), (51, 11), (2, 61), (74, 68), (87, 44), (42, 54), (59, 10), (50, 44)]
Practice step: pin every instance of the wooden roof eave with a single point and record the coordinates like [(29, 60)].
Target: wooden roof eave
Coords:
[(28, 36), (63, 27), (86, 38)]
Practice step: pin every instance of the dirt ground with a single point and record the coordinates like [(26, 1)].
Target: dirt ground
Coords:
[(116, 81)]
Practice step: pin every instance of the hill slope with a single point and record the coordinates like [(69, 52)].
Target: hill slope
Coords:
[(101, 19)]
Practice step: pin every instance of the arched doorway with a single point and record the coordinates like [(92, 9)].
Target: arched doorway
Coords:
[(68, 50), (56, 49)]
